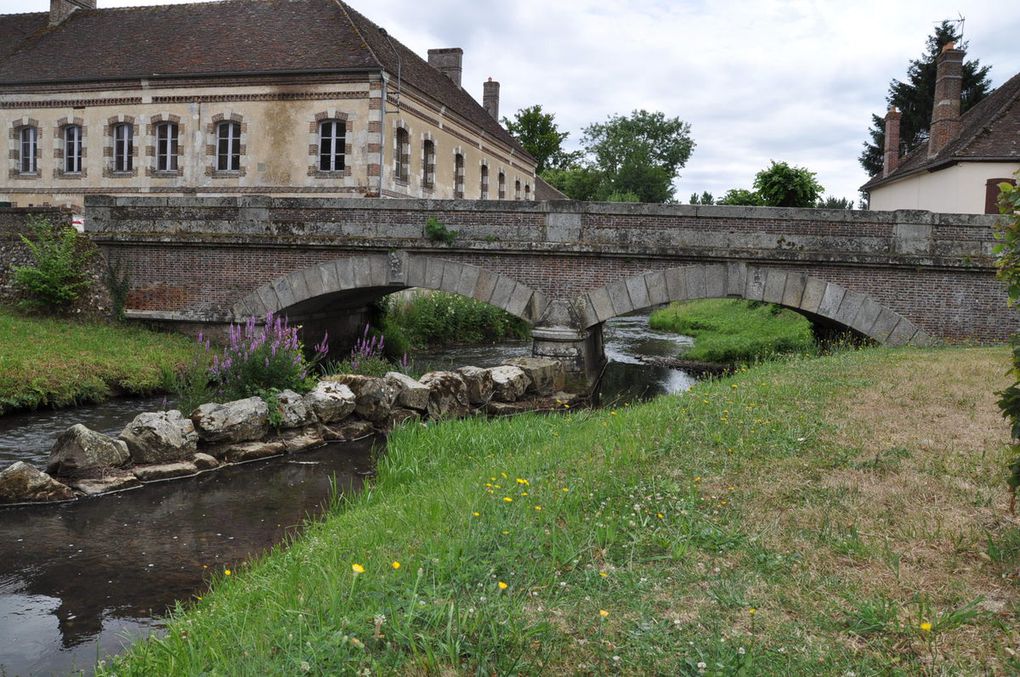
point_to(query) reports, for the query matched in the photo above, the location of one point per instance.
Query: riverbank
(728, 331)
(814, 516)
(51, 362)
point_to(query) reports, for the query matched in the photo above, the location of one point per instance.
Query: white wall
(960, 189)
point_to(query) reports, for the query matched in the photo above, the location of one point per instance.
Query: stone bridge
(896, 277)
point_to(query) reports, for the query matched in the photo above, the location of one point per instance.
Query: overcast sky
(757, 80)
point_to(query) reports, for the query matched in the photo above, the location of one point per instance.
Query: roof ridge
(347, 15)
(995, 114)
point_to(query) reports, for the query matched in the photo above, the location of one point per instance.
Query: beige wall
(959, 189)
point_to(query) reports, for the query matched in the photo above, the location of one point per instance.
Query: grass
(436, 319)
(47, 362)
(813, 516)
(735, 331)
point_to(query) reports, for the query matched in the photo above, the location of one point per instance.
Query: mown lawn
(58, 362)
(733, 331)
(831, 516)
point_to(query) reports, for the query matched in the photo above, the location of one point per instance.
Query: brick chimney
(490, 98)
(61, 9)
(945, 115)
(892, 141)
(447, 61)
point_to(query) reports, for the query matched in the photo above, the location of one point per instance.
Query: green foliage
(730, 331)
(741, 197)
(118, 283)
(538, 133)
(784, 186)
(368, 366)
(59, 274)
(189, 383)
(705, 198)
(916, 97)
(436, 319)
(1007, 251)
(437, 232)
(835, 203)
(577, 183)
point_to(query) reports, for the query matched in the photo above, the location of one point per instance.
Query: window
(458, 176)
(502, 185)
(527, 191)
(403, 155)
(332, 140)
(72, 149)
(29, 150)
(485, 183)
(123, 147)
(228, 147)
(517, 189)
(428, 165)
(167, 140)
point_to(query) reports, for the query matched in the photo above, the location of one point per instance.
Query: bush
(437, 232)
(435, 319)
(59, 274)
(1008, 261)
(367, 358)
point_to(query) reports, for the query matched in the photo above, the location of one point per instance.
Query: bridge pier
(580, 350)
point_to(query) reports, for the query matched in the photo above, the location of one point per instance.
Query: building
(966, 157)
(278, 97)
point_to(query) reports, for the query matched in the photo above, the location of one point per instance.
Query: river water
(81, 580)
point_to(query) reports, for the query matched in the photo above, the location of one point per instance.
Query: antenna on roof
(382, 32)
(960, 21)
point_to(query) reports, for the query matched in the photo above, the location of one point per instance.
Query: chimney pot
(61, 9)
(945, 116)
(448, 61)
(490, 98)
(892, 141)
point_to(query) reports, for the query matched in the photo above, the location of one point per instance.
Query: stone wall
(199, 257)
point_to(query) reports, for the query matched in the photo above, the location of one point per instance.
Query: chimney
(448, 62)
(892, 141)
(490, 98)
(61, 9)
(945, 115)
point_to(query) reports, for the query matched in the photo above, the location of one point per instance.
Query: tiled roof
(217, 38)
(545, 191)
(990, 131)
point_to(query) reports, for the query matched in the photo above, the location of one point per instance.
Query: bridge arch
(817, 299)
(376, 275)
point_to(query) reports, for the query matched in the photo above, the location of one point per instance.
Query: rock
(296, 440)
(448, 397)
(237, 421)
(479, 384)
(494, 408)
(547, 375)
(412, 395)
(165, 471)
(242, 452)
(509, 383)
(21, 483)
(106, 485)
(160, 437)
(79, 450)
(402, 416)
(330, 401)
(563, 400)
(204, 461)
(373, 397)
(294, 410)
(355, 430)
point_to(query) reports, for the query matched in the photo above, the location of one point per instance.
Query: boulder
(294, 410)
(106, 485)
(22, 483)
(564, 400)
(330, 402)
(495, 408)
(402, 416)
(296, 440)
(242, 452)
(79, 450)
(412, 394)
(479, 384)
(509, 383)
(348, 432)
(448, 397)
(373, 397)
(237, 421)
(164, 471)
(160, 437)
(204, 461)
(547, 375)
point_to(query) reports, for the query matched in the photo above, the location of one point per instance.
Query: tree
(577, 183)
(835, 203)
(740, 197)
(705, 198)
(784, 186)
(639, 154)
(538, 133)
(916, 97)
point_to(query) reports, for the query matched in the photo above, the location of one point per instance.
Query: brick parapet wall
(199, 256)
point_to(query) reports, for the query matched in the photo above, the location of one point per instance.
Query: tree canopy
(916, 96)
(780, 185)
(540, 136)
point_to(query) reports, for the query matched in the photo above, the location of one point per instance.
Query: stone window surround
(501, 184)
(402, 162)
(314, 141)
(517, 189)
(212, 140)
(59, 148)
(109, 145)
(15, 149)
(458, 179)
(483, 179)
(428, 170)
(527, 191)
(151, 146)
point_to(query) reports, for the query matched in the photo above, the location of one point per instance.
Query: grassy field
(52, 362)
(728, 330)
(838, 515)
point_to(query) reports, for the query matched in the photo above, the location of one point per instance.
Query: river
(81, 580)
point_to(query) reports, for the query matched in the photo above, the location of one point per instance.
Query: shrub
(437, 232)
(1008, 261)
(367, 358)
(438, 318)
(59, 274)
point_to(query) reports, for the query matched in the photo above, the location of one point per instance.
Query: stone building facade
(309, 99)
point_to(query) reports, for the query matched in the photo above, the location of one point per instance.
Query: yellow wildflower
(476, 514)
(395, 565)
(603, 613)
(538, 507)
(502, 585)
(357, 569)
(603, 574)
(226, 572)
(926, 626)
(507, 499)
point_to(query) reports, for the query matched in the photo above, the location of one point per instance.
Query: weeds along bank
(814, 516)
